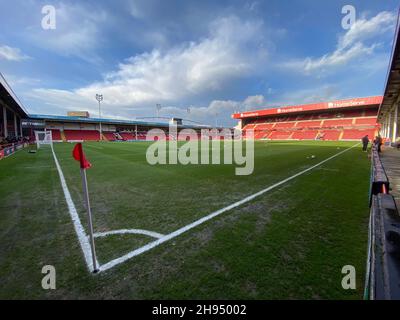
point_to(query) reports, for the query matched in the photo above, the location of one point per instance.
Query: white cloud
(76, 34)
(229, 52)
(12, 54)
(339, 57)
(217, 110)
(351, 46)
(364, 29)
(252, 102)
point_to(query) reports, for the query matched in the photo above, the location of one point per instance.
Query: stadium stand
(338, 120)
(330, 135)
(127, 136)
(110, 136)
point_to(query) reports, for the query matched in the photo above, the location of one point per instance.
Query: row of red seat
(321, 116)
(86, 135)
(56, 134)
(346, 134)
(94, 135)
(330, 123)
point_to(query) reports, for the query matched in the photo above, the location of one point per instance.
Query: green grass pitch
(290, 243)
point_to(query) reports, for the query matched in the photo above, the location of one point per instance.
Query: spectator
(365, 142)
(378, 143)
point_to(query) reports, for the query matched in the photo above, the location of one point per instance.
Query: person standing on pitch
(365, 142)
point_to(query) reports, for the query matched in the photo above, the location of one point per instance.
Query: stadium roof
(107, 121)
(392, 88)
(338, 104)
(10, 98)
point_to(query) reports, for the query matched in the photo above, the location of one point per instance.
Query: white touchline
(194, 224)
(80, 231)
(129, 231)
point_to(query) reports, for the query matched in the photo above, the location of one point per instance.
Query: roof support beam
(5, 121)
(15, 125)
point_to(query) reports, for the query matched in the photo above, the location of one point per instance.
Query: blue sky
(215, 57)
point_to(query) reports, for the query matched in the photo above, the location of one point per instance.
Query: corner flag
(78, 155)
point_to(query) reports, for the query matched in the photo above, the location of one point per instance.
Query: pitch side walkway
(390, 158)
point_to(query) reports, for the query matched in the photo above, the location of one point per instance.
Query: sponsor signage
(82, 114)
(10, 150)
(349, 103)
(29, 123)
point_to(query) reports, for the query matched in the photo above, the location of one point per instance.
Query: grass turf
(290, 243)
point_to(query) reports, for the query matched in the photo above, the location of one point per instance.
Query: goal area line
(84, 239)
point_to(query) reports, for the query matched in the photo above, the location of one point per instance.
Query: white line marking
(129, 231)
(80, 231)
(194, 224)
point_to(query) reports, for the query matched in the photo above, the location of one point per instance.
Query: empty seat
(309, 124)
(85, 135)
(280, 125)
(337, 123)
(56, 135)
(366, 121)
(332, 135)
(110, 136)
(249, 126)
(305, 135)
(264, 126)
(127, 136)
(352, 134)
(280, 135)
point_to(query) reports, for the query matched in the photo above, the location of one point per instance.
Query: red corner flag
(78, 155)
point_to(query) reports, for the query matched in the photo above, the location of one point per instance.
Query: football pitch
(161, 233)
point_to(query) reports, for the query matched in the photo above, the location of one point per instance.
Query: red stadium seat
(109, 136)
(309, 124)
(366, 121)
(249, 126)
(285, 125)
(350, 124)
(305, 135)
(85, 135)
(264, 126)
(56, 135)
(337, 123)
(280, 135)
(127, 136)
(352, 134)
(332, 135)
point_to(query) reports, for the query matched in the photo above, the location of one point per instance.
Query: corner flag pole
(89, 216)
(85, 164)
